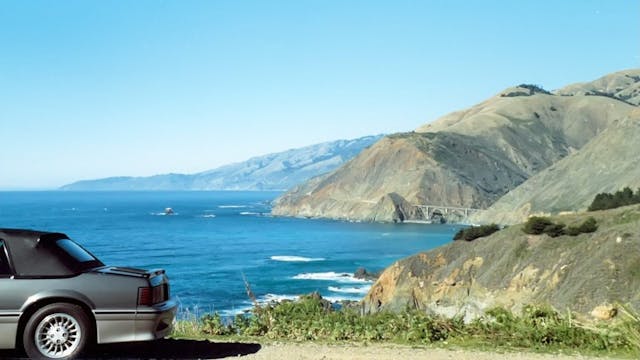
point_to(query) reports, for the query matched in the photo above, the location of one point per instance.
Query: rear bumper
(158, 323)
(148, 323)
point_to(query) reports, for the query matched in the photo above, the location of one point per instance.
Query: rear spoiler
(140, 272)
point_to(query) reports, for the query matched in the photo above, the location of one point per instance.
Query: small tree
(474, 232)
(624, 197)
(536, 225)
(554, 230)
(588, 226)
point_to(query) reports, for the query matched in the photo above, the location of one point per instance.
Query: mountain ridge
(468, 158)
(272, 172)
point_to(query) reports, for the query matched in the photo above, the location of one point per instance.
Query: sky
(92, 89)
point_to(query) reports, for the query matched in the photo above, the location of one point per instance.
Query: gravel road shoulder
(308, 351)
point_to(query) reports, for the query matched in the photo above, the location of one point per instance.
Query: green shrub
(541, 225)
(573, 231)
(474, 232)
(624, 197)
(588, 226)
(535, 225)
(534, 89)
(554, 230)
(214, 325)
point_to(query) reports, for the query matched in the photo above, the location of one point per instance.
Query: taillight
(158, 294)
(150, 296)
(145, 296)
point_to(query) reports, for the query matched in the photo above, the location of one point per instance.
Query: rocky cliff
(586, 274)
(469, 158)
(277, 171)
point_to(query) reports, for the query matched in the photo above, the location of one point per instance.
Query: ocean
(214, 238)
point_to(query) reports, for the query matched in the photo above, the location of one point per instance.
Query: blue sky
(102, 88)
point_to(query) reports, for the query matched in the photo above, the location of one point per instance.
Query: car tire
(56, 331)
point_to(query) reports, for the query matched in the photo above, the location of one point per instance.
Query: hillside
(277, 171)
(606, 164)
(469, 158)
(623, 85)
(510, 269)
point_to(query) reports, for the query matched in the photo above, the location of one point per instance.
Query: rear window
(57, 257)
(5, 269)
(75, 250)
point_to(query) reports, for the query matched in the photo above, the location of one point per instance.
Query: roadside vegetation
(536, 225)
(312, 318)
(475, 232)
(624, 197)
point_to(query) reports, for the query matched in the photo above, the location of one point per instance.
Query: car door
(9, 307)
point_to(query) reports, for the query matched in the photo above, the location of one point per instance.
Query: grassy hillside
(583, 274)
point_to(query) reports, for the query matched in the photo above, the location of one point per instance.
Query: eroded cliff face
(586, 274)
(468, 158)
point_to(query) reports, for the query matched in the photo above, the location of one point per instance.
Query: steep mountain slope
(584, 274)
(468, 158)
(607, 163)
(277, 171)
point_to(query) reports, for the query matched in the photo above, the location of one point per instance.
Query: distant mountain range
(278, 171)
(523, 151)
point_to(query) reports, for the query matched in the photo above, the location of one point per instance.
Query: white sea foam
(268, 298)
(287, 258)
(330, 276)
(208, 215)
(236, 311)
(335, 299)
(232, 206)
(350, 290)
(249, 213)
(163, 214)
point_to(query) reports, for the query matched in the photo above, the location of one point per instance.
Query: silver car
(56, 298)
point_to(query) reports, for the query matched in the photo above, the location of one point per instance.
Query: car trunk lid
(157, 290)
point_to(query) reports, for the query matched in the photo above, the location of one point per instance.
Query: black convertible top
(37, 254)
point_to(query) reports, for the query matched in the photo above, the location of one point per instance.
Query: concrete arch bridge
(442, 213)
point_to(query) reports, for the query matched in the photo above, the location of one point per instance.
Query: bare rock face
(469, 158)
(584, 274)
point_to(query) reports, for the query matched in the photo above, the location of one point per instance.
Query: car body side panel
(8, 329)
(111, 298)
(99, 291)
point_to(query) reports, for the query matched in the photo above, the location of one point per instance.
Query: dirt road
(309, 351)
(202, 349)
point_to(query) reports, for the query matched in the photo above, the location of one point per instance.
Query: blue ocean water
(215, 237)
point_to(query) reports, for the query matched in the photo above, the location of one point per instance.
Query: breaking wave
(287, 258)
(350, 290)
(330, 276)
(250, 213)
